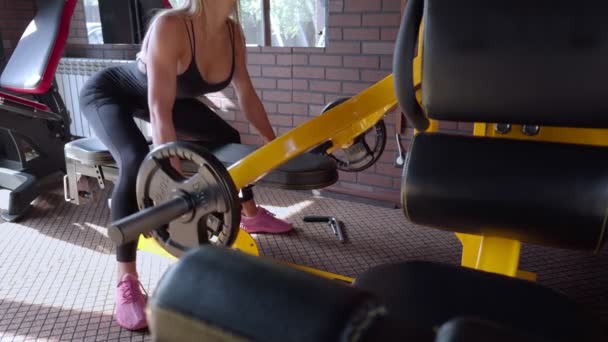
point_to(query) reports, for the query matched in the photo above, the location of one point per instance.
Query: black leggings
(111, 117)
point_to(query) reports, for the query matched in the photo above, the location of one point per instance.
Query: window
(118, 21)
(291, 23)
(93, 22)
(283, 23)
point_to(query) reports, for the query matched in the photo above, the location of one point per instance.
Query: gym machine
(534, 171)
(315, 169)
(88, 159)
(491, 241)
(34, 122)
(212, 214)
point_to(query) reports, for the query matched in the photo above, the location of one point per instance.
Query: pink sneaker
(264, 222)
(131, 303)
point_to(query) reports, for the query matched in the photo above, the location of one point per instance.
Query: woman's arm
(162, 56)
(249, 101)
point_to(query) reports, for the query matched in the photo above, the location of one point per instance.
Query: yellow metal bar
(433, 126)
(491, 254)
(324, 274)
(479, 129)
(499, 255)
(530, 276)
(243, 242)
(584, 136)
(470, 249)
(151, 245)
(340, 125)
(417, 65)
(246, 244)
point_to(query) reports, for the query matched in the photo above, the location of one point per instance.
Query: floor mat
(57, 269)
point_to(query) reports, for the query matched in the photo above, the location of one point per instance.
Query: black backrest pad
(428, 294)
(517, 61)
(262, 301)
(544, 193)
(30, 59)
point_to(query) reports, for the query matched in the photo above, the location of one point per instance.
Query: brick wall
(295, 83)
(14, 18)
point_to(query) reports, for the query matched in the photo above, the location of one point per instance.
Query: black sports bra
(191, 83)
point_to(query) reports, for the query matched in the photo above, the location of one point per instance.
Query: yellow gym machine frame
(354, 117)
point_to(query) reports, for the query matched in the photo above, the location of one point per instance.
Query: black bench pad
(308, 171)
(89, 151)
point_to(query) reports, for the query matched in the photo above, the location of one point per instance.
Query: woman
(187, 52)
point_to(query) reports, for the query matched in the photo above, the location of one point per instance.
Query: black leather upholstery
(545, 193)
(308, 171)
(518, 61)
(30, 60)
(224, 292)
(476, 330)
(89, 151)
(259, 300)
(429, 295)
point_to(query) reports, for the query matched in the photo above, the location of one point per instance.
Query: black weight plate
(217, 217)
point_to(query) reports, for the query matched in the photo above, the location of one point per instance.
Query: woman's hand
(177, 165)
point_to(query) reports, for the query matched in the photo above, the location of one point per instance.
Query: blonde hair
(193, 8)
(189, 9)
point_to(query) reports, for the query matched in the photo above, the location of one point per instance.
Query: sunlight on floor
(285, 212)
(61, 286)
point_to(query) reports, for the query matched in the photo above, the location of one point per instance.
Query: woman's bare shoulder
(171, 22)
(167, 30)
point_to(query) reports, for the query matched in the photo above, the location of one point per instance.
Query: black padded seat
(89, 151)
(308, 171)
(430, 294)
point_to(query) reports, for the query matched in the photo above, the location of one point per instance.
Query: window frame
(266, 21)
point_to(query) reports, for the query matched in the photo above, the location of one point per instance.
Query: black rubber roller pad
(550, 194)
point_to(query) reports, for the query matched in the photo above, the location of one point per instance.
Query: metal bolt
(530, 130)
(502, 128)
